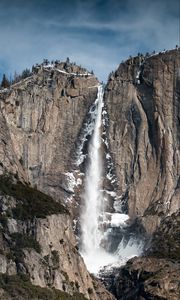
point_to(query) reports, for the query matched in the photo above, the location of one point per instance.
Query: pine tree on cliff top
(5, 82)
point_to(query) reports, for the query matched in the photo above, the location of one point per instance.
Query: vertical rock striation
(143, 103)
(142, 99)
(44, 114)
(41, 119)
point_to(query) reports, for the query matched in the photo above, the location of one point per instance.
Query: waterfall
(96, 223)
(92, 235)
(93, 198)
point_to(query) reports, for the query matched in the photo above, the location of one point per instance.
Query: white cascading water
(93, 215)
(93, 199)
(94, 255)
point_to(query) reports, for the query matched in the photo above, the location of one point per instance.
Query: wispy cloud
(97, 34)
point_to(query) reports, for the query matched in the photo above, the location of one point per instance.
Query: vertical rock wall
(44, 114)
(143, 101)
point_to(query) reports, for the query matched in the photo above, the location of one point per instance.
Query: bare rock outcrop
(37, 240)
(146, 278)
(142, 99)
(44, 114)
(8, 159)
(41, 118)
(143, 103)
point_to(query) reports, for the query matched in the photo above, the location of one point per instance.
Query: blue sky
(96, 34)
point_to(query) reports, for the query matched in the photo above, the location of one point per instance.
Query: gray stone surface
(144, 134)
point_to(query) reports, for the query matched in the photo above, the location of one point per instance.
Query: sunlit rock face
(142, 99)
(112, 159)
(44, 114)
(41, 119)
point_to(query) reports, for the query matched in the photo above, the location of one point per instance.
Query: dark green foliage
(77, 285)
(45, 61)
(166, 240)
(21, 241)
(1, 252)
(19, 287)
(55, 258)
(90, 291)
(3, 220)
(21, 161)
(34, 69)
(18, 77)
(25, 73)
(65, 275)
(166, 246)
(30, 202)
(17, 243)
(5, 82)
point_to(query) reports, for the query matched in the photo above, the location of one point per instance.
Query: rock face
(142, 99)
(8, 159)
(44, 114)
(156, 274)
(143, 103)
(146, 278)
(165, 241)
(37, 240)
(41, 118)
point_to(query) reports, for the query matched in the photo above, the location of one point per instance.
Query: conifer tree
(5, 82)
(25, 73)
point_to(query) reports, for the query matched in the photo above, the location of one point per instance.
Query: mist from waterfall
(94, 217)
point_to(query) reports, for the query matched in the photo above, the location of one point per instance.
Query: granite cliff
(142, 99)
(44, 113)
(41, 118)
(143, 104)
(46, 124)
